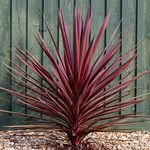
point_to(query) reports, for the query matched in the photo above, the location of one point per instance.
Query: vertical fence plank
(113, 6)
(50, 16)
(34, 23)
(50, 13)
(141, 84)
(4, 52)
(128, 23)
(98, 18)
(83, 6)
(146, 54)
(67, 8)
(18, 34)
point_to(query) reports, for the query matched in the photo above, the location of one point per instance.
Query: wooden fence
(20, 18)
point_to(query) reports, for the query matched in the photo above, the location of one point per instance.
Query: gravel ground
(51, 140)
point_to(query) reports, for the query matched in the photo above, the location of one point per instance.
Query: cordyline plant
(76, 97)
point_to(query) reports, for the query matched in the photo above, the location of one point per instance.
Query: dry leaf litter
(52, 140)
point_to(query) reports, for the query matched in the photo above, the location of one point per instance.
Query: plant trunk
(74, 141)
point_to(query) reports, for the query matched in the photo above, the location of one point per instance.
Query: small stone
(52, 140)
